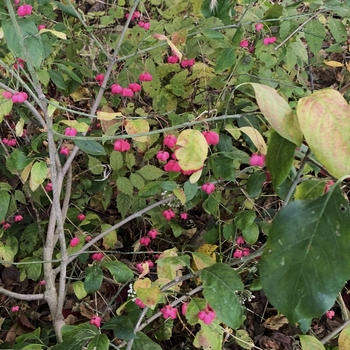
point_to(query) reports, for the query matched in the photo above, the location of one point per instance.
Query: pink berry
(145, 77)
(116, 89)
(48, 187)
(42, 282)
(184, 63)
(24, 10)
(15, 308)
(170, 141)
(88, 238)
(169, 311)
(96, 321)
(41, 26)
(211, 137)
(121, 146)
(163, 156)
(330, 314)
(145, 241)
(240, 240)
(18, 218)
(97, 256)
(328, 185)
(126, 92)
(153, 233)
(136, 14)
(64, 151)
(20, 63)
(207, 315)
(81, 217)
(7, 95)
(147, 26)
(246, 251)
(172, 166)
(141, 24)
(257, 159)
(184, 216)
(71, 132)
(12, 143)
(173, 59)
(74, 241)
(99, 78)
(208, 187)
(134, 87)
(244, 43)
(184, 308)
(168, 214)
(139, 303)
(259, 26)
(6, 225)
(238, 253)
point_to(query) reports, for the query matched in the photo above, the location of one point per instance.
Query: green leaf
(79, 290)
(4, 204)
(338, 30)
(17, 161)
(38, 175)
(151, 172)
(124, 202)
(6, 254)
(251, 233)
(83, 331)
(223, 168)
(57, 79)
(176, 228)
(209, 337)
(310, 189)
(124, 185)
(308, 342)
(142, 342)
(33, 269)
(93, 279)
(5, 107)
(228, 231)
(29, 238)
(278, 113)
(69, 72)
(95, 166)
(190, 190)
(90, 147)
(279, 158)
(116, 160)
(212, 203)
(324, 120)
(212, 34)
(121, 326)
(100, 342)
(243, 339)
(255, 184)
(306, 262)
(150, 189)
(120, 271)
(221, 283)
(244, 219)
(137, 180)
(314, 35)
(192, 151)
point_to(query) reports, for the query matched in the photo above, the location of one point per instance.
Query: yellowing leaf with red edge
(209, 337)
(179, 37)
(324, 118)
(344, 339)
(333, 63)
(137, 126)
(192, 151)
(278, 113)
(180, 195)
(54, 32)
(142, 283)
(169, 271)
(174, 49)
(145, 269)
(107, 115)
(150, 296)
(256, 138)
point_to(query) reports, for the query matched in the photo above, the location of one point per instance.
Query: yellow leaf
(81, 94)
(333, 64)
(108, 116)
(256, 138)
(344, 339)
(347, 66)
(19, 128)
(174, 49)
(192, 151)
(54, 32)
(233, 130)
(137, 126)
(144, 283)
(180, 195)
(195, 176)
(150, 296)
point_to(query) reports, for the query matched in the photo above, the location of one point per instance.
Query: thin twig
(328, 337)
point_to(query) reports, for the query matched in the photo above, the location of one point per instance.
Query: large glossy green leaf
(324, 120)
(93, 279)
(278, 113)
(279, 158)
(90, 147)
(306, 260)
(142, 342)
(100, 342)
(120, 271)
(309, 342)
(221, 283)
(121, 326)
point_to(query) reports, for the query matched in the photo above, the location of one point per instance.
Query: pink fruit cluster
(41, 26)
(211, 137)
(96, 321)
(140, 266)
(18, 218)
(71, 132)
(207, 315)
(74, 242)
(269, 40)
(129, 91)
(187, 63)
(330, 314)
(9, 142)
(169, 311)
(15, 308)
(20, 63)
(81, 217)
(18, 97)
(97, 256)
(173, 59)
(169, 214)
(64, 151)
(259, 26)
(121, 145)
(142, 24)
(99, 78)
(146, 240)
(24, 10)
(257, 159)
(48, 187)
(239, 253)
(208, 188)
(5, 225)
(139, 303)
